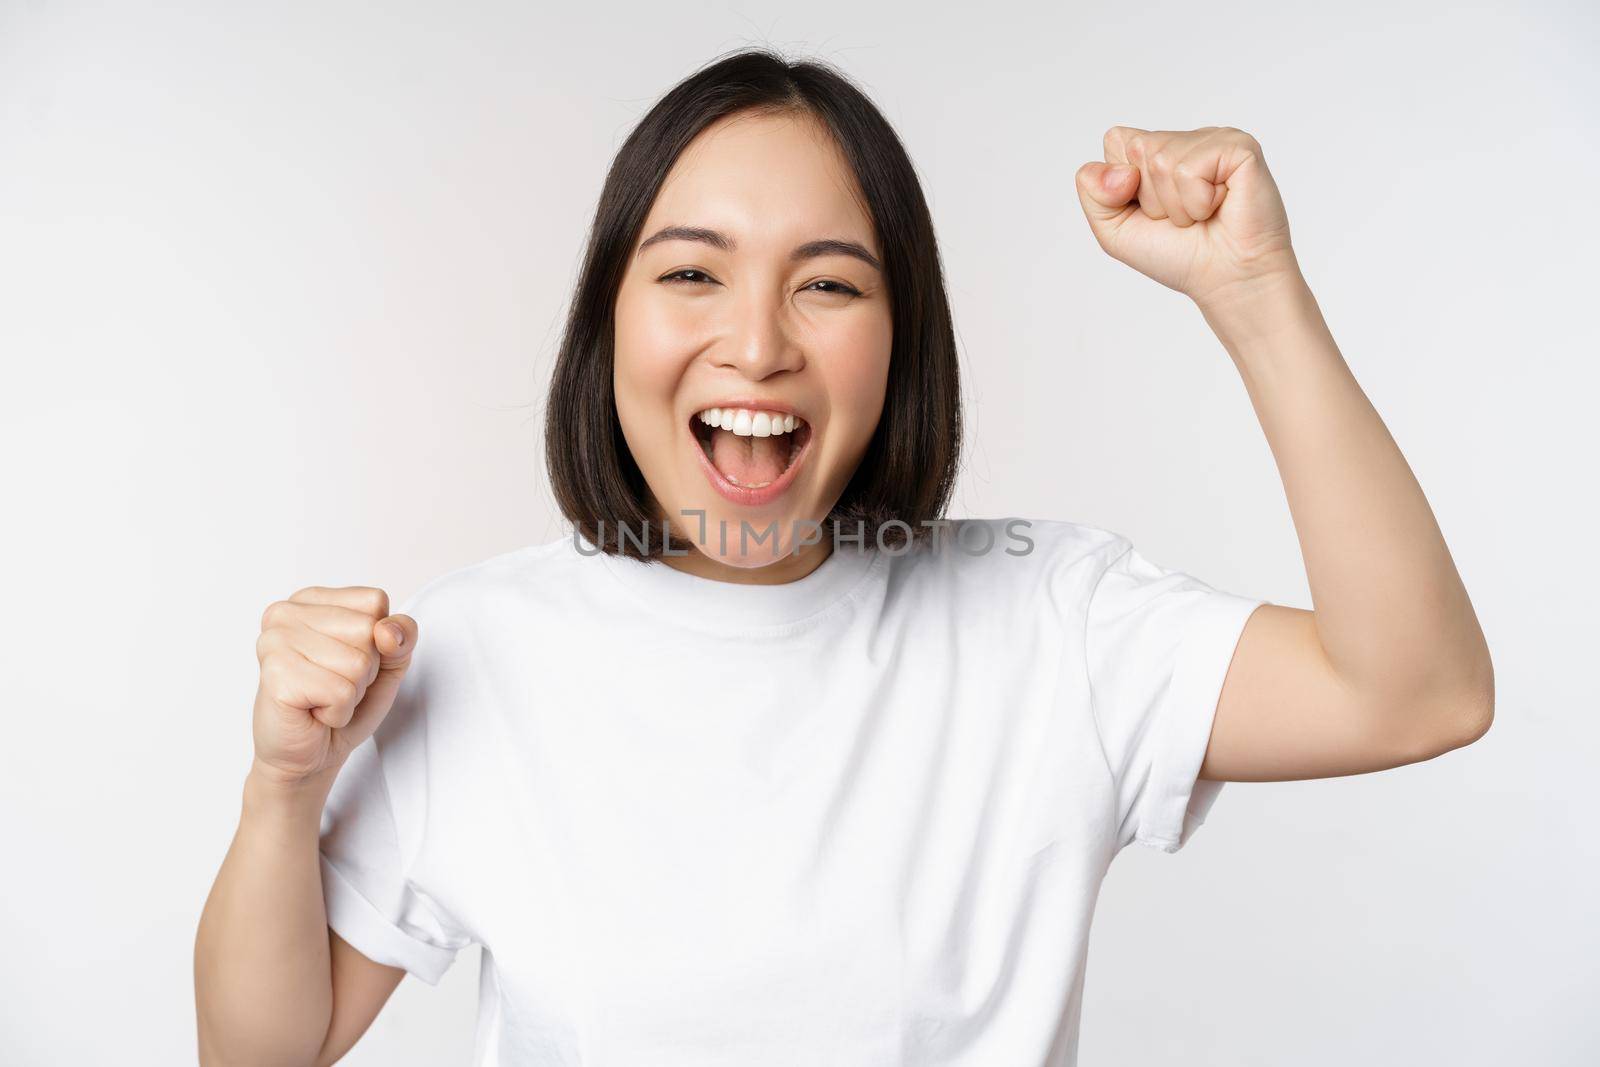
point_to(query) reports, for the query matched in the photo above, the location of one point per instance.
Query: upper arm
(1284, 714)
(360, 990)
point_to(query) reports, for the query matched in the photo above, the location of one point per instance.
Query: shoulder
(505, 593)
(1055, 563)
(478, 627)
(1059, 543)
(1030, 547)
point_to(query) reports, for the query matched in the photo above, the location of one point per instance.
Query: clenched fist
(1197, 210)
(331, 663)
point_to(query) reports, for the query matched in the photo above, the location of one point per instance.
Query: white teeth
(749, 423)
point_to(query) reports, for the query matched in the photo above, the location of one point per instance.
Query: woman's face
(753, 291)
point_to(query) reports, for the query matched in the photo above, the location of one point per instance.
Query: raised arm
(1391, 666)
(273, 984)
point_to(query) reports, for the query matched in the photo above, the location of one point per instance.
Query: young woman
(768, 763)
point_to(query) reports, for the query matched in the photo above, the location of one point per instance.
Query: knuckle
(272, 673)
(344, 691)
(1244, 138)
(275, 614)
(374, 602)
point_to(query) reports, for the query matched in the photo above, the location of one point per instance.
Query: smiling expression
(753, 302)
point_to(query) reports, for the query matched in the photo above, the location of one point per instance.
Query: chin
(749, 562)
(755, 554)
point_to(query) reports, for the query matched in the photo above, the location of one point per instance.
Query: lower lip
(738, 494)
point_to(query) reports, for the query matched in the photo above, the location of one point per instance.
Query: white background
(280, 288)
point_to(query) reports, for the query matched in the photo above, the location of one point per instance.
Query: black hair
(909, 467)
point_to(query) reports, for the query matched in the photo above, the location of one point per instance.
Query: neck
(788, 567)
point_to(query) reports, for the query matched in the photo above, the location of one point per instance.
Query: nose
(760, 342)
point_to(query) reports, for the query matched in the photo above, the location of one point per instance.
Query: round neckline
(714, 606)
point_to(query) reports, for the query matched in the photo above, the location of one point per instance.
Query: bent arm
(1391, 666)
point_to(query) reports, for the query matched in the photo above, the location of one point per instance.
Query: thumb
(1104, 190)
(396, 638)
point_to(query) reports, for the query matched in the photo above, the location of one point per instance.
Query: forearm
(263, 975)
(1391, 611)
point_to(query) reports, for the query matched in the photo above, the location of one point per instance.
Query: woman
(769, 763)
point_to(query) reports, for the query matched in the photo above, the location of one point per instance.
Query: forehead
(765, 177)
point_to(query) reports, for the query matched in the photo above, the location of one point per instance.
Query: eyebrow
(827, 246)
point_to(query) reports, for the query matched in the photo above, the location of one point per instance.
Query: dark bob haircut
(905, 477)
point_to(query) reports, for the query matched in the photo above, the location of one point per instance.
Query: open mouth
(754, 451)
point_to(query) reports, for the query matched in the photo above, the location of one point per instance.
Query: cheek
(649, 357)
(855, 365)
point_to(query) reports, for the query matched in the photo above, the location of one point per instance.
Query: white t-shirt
(858, 819)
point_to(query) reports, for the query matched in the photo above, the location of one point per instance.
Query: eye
(680, 277)
(838, 287)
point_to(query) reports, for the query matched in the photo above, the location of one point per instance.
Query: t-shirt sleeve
(369, 844)
(1158, 645)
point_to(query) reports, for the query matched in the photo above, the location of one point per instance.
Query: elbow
(1472, 723)
(1426, 723)
(1467, 711)
(1479, 717)
(1480, 704)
